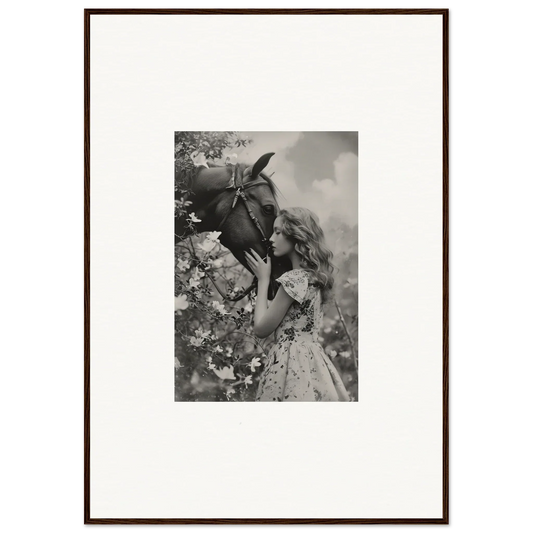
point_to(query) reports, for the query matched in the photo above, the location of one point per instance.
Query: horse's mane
(276, 193)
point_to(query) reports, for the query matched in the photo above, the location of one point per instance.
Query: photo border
(445, 280)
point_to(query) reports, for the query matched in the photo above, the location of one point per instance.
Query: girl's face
(281, 245)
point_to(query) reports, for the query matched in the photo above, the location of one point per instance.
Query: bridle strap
(239, 193)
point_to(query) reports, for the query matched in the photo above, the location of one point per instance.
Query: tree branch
(352, 347)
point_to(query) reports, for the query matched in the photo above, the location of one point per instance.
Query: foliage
(217, 356)
(194, 147)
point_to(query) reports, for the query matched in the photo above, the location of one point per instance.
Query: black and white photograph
(266, 266)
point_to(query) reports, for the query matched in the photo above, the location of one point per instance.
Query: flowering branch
(343, 322)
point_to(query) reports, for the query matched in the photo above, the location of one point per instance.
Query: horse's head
(239, 201)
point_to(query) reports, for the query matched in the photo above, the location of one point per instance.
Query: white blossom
(180, 302)
(183, 265)
(199, 159)
(217, 263)
(193, 283)
(207, 245)
(255, 362)
(197, 274)
(200, 333)
(213, 236)
(195, 341)
(194, 218)
(217, 306)
(225, 373)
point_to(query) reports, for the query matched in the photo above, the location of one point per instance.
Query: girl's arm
(267, 319)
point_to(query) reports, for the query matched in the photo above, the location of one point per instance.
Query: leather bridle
(239, 193)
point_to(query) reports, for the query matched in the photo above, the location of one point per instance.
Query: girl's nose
(271, 238)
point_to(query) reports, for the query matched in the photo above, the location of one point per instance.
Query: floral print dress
(297, 368)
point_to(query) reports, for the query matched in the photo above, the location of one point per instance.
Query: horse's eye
(268, 209)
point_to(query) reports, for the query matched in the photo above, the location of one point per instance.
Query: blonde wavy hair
(301, 226)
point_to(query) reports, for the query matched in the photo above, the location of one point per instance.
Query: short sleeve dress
(297, 369)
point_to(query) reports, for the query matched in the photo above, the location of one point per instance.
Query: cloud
(279, 143)
(339, 196)
(268, 141)
(335, 195)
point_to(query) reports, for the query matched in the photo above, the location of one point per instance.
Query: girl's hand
(260, 269)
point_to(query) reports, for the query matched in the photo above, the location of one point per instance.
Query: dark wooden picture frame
(445, 279)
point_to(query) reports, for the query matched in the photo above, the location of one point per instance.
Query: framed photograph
(300, 158)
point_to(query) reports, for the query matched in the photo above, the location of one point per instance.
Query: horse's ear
(260, 164)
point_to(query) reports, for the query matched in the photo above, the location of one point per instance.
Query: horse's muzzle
(268, 246)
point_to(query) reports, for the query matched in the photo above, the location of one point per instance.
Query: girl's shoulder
(295, 282)
(299, 275)
(295, 274)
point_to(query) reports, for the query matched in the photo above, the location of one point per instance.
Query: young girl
(297, 368)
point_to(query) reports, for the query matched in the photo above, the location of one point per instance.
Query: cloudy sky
(317, 170)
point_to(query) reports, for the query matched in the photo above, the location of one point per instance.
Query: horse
(240, 201)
